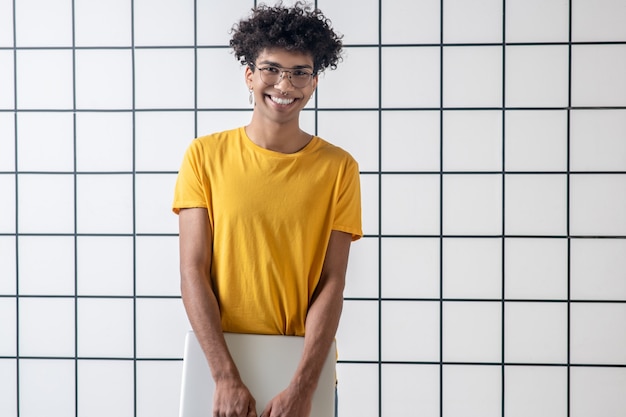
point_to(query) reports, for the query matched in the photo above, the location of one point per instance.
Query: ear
(248, 76)
(315, 80)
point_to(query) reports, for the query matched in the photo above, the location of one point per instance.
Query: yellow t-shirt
(271, 215)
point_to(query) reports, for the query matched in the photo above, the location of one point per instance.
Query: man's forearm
(204, 316)
(321, 327)
(324, 312)
(198, 297)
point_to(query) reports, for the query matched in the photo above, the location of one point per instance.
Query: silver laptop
(266, 364)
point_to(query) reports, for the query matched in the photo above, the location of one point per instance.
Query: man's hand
(233, 399)
(291, 402)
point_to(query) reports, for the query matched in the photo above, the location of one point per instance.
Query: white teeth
(281, 100)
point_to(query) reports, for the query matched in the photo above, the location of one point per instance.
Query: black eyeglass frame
(281, 74)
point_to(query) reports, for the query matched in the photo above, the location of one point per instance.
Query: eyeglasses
(272, 75)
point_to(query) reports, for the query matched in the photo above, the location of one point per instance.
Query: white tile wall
(490, 281)
(471, 390)
(536, 391)
(398, 388)
(534, 76)
(597, 390)
(472, 268)
(537, 21)
(47, 387)
(93, 20)
(6, 75)
(106, 388)
(536, 140)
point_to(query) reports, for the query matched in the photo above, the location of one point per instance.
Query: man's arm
(231, 397)
(321, 326)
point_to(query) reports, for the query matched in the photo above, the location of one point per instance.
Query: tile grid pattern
(504, 300)
(381, 236)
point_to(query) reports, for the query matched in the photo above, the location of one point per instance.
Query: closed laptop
(266, 364)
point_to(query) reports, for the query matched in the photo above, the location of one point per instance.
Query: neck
(278, 137)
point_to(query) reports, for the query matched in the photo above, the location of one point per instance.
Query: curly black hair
(300, 28)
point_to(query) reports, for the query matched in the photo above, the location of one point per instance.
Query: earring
(251, 97)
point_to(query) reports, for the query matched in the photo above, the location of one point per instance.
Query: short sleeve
(348, 207)
(192, 188)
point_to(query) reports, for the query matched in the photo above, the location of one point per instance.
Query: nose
(284, 78)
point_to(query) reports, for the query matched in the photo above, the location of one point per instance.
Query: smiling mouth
(282, 101)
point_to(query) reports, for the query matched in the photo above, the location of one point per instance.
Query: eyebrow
(276, 64)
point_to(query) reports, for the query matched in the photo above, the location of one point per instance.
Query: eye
(301, 74)
(271, 70)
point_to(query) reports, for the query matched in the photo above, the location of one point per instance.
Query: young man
(267, 213)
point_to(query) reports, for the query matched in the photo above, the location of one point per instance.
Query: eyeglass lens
(273, 75)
